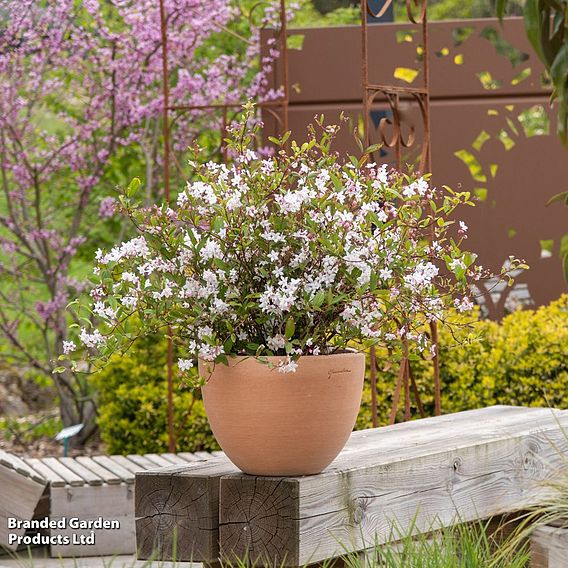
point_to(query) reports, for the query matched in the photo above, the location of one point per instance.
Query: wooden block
(177, 511)
(88, 503)
(549, 547)
(19, 496)
(454, 469)
(115, 467)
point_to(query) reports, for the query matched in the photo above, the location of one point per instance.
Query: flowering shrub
(298, 254)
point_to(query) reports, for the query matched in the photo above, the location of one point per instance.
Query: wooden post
(549, 547)
(177, 511)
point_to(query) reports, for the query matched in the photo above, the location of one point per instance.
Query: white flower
(137, 247)
(205, 331)
(422, 276)
(166, 291)
(211, 249)
(276, 342)
(463, 227)
(463, 305)
(202, 191)
(289, 367)
(234, 202)
(68, 347)
(94, 339)
(456, 263)
(385, 273)
(219, 307)
(210, 352)
(272, 236)
(279, 300)
(185, 364)
(103, 311)
(129, 301)
(130, 277)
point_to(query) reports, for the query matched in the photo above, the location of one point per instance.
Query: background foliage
(133, 405)
(519, 361)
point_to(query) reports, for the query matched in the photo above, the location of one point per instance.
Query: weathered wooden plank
(19, 497)
(126, 463)
(114, 467)
(142, 461)
(90, 477)
(177, 511)
(113, 503)
(48, 474)
(481, 469)
(188, 457)
(217, 453)
(64, 472)
(14, 462)
(173, 459)
(549, 547)
(158, 460)
(108, 476)
(202, 455)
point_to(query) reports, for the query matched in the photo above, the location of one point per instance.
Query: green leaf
(564, 255)
(133, 187)
(318, 299)
(290, 328)
(59, 370)
(559, 75)
(533, 27)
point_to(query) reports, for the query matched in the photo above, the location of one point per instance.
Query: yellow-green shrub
(133, 405)
(523, 360)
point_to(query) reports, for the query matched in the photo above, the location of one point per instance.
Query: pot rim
(235, 359)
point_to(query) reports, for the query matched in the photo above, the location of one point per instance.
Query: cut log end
(259, 520)
(174, 519)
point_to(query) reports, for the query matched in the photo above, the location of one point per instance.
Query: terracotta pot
(272, 423)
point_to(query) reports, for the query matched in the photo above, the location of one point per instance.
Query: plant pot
(273, 423)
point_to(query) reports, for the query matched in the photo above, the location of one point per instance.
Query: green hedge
(133, 405)
(523, 360)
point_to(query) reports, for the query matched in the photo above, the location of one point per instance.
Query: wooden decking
(96, 470)
(84, 487)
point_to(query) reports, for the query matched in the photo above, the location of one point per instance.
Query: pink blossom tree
(80, 108)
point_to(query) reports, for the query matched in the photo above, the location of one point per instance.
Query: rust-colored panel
(469, 58)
